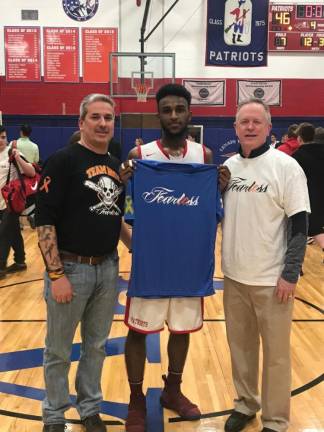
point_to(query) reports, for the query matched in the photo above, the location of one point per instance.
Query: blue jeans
(93, 303)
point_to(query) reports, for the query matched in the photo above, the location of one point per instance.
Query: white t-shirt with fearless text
(262, 194)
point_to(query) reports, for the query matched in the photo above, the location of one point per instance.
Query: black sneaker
(237, 421)
(57, 427)
(16, 267)
(94, 424)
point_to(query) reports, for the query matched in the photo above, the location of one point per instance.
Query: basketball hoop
(141, 83)
(141, 90)
(130, 70)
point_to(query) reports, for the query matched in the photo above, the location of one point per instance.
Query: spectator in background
(139, 142)
(191, 138)
(310, 157)
(273, 140)
(27, 147)
(283, 139)
(291, 144)
(305, 133)
(10, 234)
(319, 135)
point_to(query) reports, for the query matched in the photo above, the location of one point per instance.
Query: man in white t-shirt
(264, 239)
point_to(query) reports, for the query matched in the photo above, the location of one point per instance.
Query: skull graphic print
(107, 193)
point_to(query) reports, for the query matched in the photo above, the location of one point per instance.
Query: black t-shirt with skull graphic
(82, 196)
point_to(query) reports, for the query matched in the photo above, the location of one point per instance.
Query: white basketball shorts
(182, 315)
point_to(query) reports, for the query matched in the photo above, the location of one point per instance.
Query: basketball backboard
(140, 75)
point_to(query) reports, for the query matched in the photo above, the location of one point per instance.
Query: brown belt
(92, 260)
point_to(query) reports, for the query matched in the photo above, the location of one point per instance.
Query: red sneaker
(136, 417)
(176, 401)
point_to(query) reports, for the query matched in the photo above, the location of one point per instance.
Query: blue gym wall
(53, 132)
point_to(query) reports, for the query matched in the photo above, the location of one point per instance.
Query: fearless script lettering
(161, 195)
(239, 184)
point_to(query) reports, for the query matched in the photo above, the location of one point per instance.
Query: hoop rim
(141, 90)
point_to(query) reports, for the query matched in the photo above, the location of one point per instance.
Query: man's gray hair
(256, 101)
(94, 97)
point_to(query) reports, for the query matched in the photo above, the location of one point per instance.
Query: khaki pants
(251, 312)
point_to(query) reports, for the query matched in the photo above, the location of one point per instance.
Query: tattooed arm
(61, 287)
(48, 246)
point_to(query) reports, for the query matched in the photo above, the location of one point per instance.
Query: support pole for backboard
(159, 22)
(142, 40)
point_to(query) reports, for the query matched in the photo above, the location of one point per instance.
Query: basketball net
(141, 92)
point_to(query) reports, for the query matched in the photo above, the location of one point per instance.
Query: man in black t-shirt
(78, 218)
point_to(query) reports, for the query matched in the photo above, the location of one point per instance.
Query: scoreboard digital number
(296, 27)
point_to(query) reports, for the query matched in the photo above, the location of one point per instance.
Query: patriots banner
(211, 92)
(237, 32)
(267, 90)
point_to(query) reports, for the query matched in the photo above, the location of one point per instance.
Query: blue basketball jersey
(177, 208)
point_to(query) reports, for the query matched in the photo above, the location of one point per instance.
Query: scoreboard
(296, 27)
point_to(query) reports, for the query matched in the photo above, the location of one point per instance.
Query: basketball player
(173, 102)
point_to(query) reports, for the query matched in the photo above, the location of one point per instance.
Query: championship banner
(210, 92)
(22, 53)
(268, 91)
(97, 44)
(237, 32)
(61, 54)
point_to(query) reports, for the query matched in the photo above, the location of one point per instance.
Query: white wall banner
(211, 92)
(268, 91)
